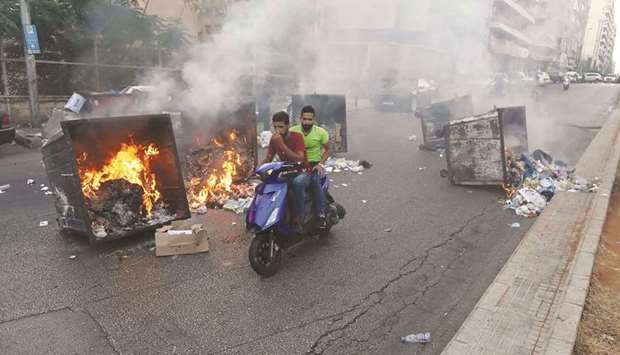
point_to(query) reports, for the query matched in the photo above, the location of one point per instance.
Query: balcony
(506, 30)
(517, 9)
(508, 48)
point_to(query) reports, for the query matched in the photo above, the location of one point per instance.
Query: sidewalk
(534, 304)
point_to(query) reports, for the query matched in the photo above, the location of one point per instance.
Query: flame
(132, 162)
(218, 185)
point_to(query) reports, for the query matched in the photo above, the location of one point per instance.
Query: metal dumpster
(478, 147)
(436, 116)
(331, 114)
(100, 168)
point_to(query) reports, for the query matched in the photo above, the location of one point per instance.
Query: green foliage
(68, 29)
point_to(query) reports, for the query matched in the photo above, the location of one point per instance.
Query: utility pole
(5, 76)
(31, 68)
(97, 75)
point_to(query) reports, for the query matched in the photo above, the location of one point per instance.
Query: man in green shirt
(316, 140)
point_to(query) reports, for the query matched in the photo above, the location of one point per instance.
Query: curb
(535, 302)
(566, 323)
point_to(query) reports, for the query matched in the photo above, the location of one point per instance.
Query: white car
(610, 79)
(543, 78)
(592, 78)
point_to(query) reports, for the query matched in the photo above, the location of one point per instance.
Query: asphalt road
(357, 292)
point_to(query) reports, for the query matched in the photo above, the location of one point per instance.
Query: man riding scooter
(316, 141)
(289, 147)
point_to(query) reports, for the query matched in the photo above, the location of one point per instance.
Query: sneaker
(322, 221)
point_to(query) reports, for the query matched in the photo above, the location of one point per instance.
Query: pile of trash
(238, 206)
(263, 138)
(337, 165)
(534, 179)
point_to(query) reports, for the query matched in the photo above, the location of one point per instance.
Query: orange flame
(218, 185)
(131, 163)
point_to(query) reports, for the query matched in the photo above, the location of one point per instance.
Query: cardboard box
(181, 238)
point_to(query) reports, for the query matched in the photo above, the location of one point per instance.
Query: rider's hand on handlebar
(319, 169)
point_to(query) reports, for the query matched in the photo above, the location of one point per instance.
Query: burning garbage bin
(436, 116)
(331, 114)
(221, 157)
(117, 176)
(478, 147)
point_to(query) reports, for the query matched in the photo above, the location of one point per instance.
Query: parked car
(592, 78)
(394, 95)
(543, 78)
(574, 76)
(556, 77)
(610, 78)
(7, 132)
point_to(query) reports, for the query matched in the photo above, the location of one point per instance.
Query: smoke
(281, 47)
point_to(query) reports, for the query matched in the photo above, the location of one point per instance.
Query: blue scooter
(266, 217)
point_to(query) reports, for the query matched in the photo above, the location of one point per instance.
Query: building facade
(599, 38)
(527, 35)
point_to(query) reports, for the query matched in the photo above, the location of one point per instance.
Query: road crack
(326, 337)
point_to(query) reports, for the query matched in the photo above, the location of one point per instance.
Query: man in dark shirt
(289, 147)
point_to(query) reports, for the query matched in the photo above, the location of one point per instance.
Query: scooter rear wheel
(265, 255)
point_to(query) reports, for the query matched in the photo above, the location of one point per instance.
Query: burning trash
(124, 191)
(534, 180)
(115, 176)
(221, 160)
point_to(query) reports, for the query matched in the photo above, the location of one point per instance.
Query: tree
(68, 29)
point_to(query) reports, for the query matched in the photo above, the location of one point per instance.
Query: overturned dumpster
(478, 147)
(115, 176)
(435, 117)
(331, 114)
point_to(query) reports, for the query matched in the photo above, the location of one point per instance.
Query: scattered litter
(337, 165)
(365, 164)
(416, 338)
(470, 192)
(238, 206)
(364, 201)
(42, 185)
(234, 223)
(43, 223)
(202, 210)
(344, 185)
(48, 193)
(360, 173)
(30, 182)
(413, 137)
(3, 188)
(331, 180)
(534, 179)
(180, 232)
(181, 237)
(263, 138)
(387, 230)
(73, 257)
(422, 168)
(45, 188)
(604, 194)
(515, 225)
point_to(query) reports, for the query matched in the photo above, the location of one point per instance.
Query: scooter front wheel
(265, 255)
